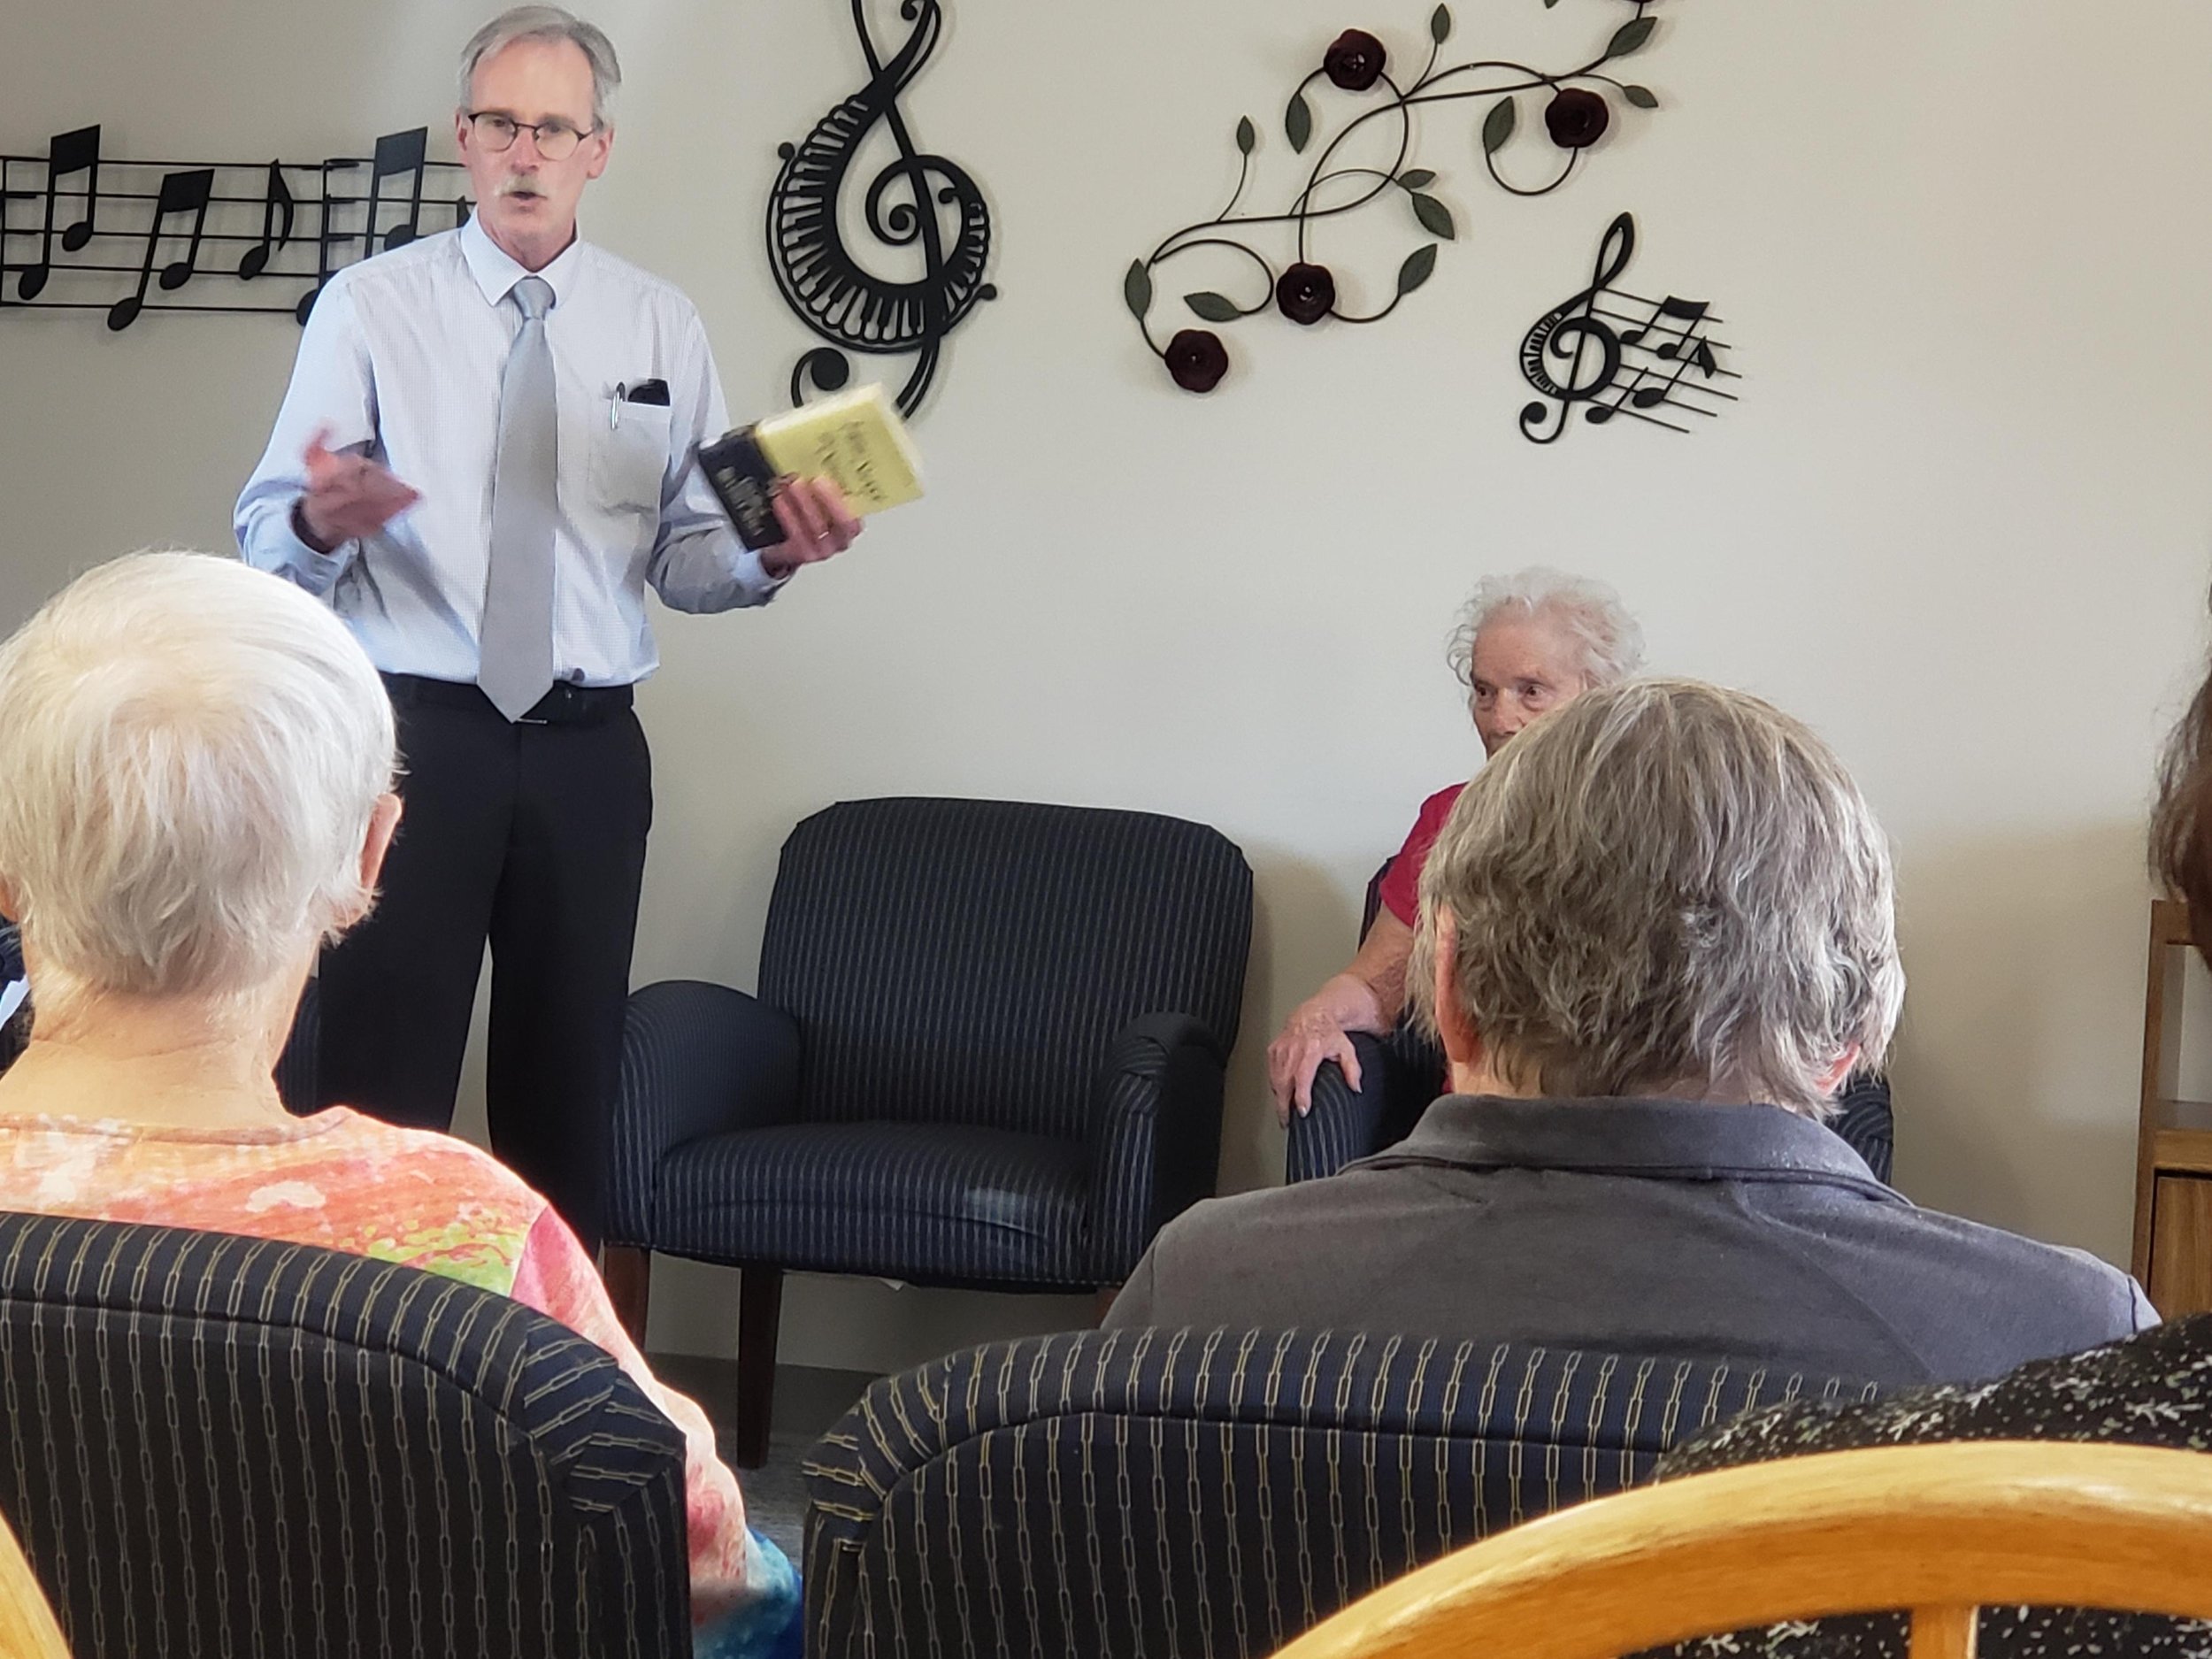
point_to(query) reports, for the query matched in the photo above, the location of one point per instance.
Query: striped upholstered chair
(987, 1051)
(216, 1445)
(1153, 1494)
(1402, 1071)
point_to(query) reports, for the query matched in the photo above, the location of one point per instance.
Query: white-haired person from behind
(1527, 644)
(1656, 933)
(200, 769)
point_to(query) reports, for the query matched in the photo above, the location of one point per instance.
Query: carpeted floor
(809, 1402)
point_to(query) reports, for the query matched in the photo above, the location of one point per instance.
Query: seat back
(1168, 1493)
(1940, 1530)
(220, 1445)
(969, 961)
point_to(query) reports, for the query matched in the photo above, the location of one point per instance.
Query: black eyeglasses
(556, 140)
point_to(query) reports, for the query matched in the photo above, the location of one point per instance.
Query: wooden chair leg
(629, 1275)
(759, 1310)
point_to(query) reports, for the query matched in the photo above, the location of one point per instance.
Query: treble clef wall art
(1618, 355)
(926, 211)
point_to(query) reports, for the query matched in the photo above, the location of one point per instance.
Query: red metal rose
(1577, 119)
(1197, 360)
(1355, 62)
(1306, 294)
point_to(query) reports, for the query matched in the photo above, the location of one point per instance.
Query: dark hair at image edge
(2181, 821)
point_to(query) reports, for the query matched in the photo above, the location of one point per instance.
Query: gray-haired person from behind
(200, 767)
(1653, 936)
(1524, 644)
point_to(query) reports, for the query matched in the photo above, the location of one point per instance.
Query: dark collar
(1655, 1138)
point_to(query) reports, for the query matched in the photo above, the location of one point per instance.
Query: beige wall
(1960, 522)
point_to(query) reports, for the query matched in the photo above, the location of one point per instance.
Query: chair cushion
(938, 1203)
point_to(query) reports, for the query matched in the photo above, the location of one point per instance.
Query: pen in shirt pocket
(652, 392)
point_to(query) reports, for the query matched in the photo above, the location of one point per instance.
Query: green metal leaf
(1497, 127)
(1419, 267)
(1435, 218)
(1440, 23)
(1248, 135)
(1630, 35)
(1416, 179)
(1642, 97)
(1136, 288)
(1548, 4)
(1298, 122)
(1214, 308)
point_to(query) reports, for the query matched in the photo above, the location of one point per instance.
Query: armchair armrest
(698, 1059)
(1346, 1123)
(1156, 1135)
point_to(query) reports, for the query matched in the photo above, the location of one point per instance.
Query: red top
(1400, 888)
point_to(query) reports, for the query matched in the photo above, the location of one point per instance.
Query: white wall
(1959, 522)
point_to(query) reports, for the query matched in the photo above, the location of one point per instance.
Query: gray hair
(547, 23)
(1609, 640)
(192, 752)
(1665, 887)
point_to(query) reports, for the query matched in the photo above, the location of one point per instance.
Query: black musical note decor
(292, 232)
(1618, 355)
(926, 209)
(1578, 109)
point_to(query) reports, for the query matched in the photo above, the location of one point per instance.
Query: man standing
(483, 459)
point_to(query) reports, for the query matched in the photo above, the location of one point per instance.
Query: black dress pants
(531, 835)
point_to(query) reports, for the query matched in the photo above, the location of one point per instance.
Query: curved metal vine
(1577, 114)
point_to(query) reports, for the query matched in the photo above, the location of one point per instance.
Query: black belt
(566, 704)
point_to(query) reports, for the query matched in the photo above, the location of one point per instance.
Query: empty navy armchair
(987, 1050)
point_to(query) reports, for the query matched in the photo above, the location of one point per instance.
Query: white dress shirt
(402, 357)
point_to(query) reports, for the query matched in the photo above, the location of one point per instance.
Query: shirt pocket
(630, 457)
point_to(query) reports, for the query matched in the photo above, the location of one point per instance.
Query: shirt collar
(1655, 1138)
(497, 271)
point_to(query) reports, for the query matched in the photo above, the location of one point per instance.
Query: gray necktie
(515, 664)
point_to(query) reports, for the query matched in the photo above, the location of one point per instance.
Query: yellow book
(853, 439)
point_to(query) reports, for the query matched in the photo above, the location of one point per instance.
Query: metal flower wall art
(1576, 106)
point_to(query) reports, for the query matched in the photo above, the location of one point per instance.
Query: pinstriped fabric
(217, 1446)
(989, 1049)
(1237, 1486)
(698, 1059)
(1401, 1072)
(1864, 1119)
(969, 961)
(934, 1200)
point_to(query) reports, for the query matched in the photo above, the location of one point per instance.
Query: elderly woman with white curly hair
(1655, 935)
(200, 767)
(1526, 644)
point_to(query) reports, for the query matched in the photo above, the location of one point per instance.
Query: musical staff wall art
(1578, 105)
(1618, 355)
(82, 231)
(925, 211)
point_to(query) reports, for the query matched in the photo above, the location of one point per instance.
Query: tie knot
(534, 294)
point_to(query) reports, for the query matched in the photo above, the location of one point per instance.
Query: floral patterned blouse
(347, 1182)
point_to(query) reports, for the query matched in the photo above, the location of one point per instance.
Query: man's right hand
(348, 496)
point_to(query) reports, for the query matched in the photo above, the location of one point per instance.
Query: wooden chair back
(1939, 1530)
(28, 1630)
